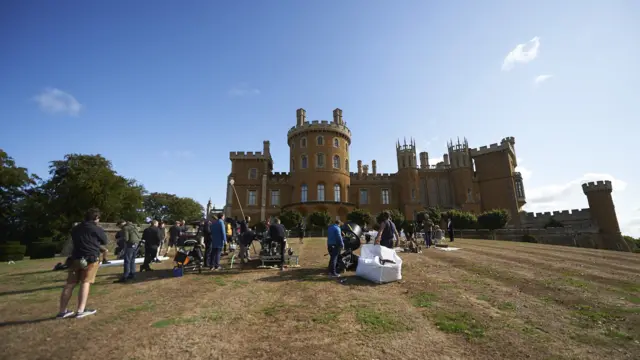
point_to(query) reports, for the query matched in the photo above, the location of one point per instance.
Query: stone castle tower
(462, 174)
(407, 186)
(603, 214)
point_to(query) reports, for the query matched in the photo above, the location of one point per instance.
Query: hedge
(42, 250)
(12, 251)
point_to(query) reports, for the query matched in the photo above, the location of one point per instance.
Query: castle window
(320, 160)
(364, 196)
(252, 197)
(346, 146)
(275, 197)
(336, 192)
(253, 174)
(336, 142)
(413, 194)
(304, 162)
(303, 142)
(320, 192)
(303, 193)
(385, 196)
(320, 140)
(346, 165)
(336, 162)
(403, 163)
(293, 164)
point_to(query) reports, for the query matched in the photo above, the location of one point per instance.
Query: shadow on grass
(33, 273)
(316, 275)
(25, 322)
(29, 291)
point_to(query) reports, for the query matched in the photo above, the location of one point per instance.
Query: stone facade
(319, 177)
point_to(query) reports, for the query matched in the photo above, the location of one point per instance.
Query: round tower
(408, 179)
(603, 211)
(319, 160)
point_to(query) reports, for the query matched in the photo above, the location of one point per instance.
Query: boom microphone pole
(231, 182)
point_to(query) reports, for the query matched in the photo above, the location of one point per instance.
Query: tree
(14, 185)
(319, 219)
(169, 207)
(396, 217)
(494, 219)
(290, 218)
(553, 223)
(462, 219)
(435, 215)
(360, 217)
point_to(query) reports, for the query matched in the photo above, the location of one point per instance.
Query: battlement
(507, 144)
(376, 177)
(279, 177)
(239, 155)
(319, 125)
(602, 185)
(576, 218)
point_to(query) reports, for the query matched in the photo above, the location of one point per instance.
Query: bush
(493, 219)
(462, 219)
(360, 217)
(42, 250)
(319, 220)
(290, 219)
(529, 239)
(435, 215)
(12, 251)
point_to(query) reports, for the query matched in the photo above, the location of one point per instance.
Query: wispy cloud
(243, 89)
(541, 78)
(177, 155)
(524, 171)
(56, 101)
(522, 53)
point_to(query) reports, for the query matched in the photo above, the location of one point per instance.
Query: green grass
(171, 322)
(146, 306)
(459, 323)
(633, 299)
(325, 318)
(379, 322)
(594, 315)
(484, 298)
(506, 306)
(273, 310)
(615, 334)
(423, 300)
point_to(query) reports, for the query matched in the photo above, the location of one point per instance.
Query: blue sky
(165, 89)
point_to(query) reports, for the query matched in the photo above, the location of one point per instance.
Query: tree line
(35, 210)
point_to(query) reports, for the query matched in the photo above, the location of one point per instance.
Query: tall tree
(290, 218)
(361, 217)
(169, 207)
(14, 185)
(319, 219)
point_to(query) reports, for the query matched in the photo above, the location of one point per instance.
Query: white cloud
(522, 53)
(56, 101)
(177, 155)
(566, 196)
(541, 78)
(435, 161)
(243, 89)
(525, 172)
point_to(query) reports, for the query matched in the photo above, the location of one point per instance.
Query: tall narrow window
(336, 192)
(320, 160)
(413, 194)
(385, 196)
(346, 164)
(320, 192)
(303, 142)
(336, 142)
(252, 197)
(304, 162)
(336, 162)
(364, 196)
(253, 174)
(293, 164)
(303, 193)
(320, 140)
(275, 197)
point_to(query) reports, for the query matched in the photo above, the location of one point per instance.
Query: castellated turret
(359, 167)
(301, 117)
(603, 215)
(424, 160)
(374, 167)
(406, 155)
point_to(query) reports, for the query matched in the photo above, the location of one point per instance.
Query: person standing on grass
(131, 239)
(174, 235)
(428, 229)
(151, 237)
(87, 237)
(301, 229)
(450, 229)
(335, 244)
(277, 234)
(162, 235)
(217, 242)
(387, 231)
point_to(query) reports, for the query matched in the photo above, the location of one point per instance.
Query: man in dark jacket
(277, 234)
(151, 237)
(450, 229)
(87, 237)
(174, 235)
(162, 234)
(217, 242)
(335, 244)
(246, 239)
(131, 238)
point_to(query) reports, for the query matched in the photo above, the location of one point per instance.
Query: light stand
(231, 182)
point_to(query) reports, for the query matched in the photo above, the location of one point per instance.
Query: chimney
(424, 160)
(359, 167)
(365, 169)
(301, 117)
(337, 116)
(445, 157)
(374, 168)
(266, 151)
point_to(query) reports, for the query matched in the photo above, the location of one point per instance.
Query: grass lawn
(490, 300)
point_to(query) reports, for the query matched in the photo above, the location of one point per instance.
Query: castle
(319, 179)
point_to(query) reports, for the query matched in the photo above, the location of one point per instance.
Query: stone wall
(552, 236)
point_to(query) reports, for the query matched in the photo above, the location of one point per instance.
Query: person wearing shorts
(87, 238)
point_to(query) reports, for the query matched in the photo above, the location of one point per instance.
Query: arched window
(336, 192)
(303, 193)
(320, 140)
(336, 162)
(346, 164)
(336, 142)
(320, 160)
(320, 192)
(303, 142)
(304, 162)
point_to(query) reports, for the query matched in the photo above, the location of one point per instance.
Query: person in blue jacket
(334, 245)
(218, 238)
